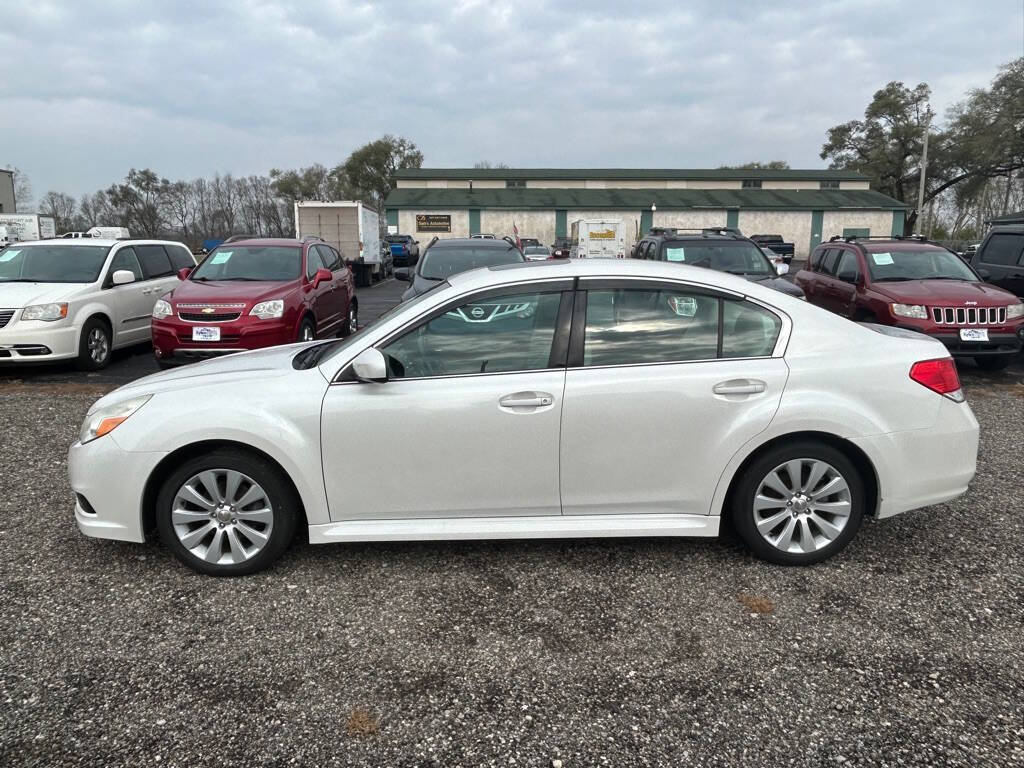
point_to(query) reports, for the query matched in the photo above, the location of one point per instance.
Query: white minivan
(79, 299)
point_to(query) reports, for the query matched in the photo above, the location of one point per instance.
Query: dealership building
(804, 207)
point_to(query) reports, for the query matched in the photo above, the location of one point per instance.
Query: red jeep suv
(255, 293)
(914, 284)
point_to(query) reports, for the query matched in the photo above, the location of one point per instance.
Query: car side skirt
(545, 527)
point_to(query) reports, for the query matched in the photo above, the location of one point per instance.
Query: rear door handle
(526, 400)
(739, 387)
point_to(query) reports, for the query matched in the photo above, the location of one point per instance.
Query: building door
(817, 224)
(856, 232)
(474, 221)
(646, 221)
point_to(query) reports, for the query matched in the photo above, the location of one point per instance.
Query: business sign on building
(433, 222)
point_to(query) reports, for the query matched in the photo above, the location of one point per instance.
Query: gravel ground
(907, 649)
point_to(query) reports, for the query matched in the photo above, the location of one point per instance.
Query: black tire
(993, 362)
(92, 357)
(742, 507)
(307, 330)
(346, 328)
(283, 500)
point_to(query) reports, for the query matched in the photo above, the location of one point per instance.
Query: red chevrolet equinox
(920, 286)
(255, 293)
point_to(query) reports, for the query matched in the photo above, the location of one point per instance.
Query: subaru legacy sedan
(558, 399)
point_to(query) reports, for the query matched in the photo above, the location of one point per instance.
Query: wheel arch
(172, 460)
(852, 452)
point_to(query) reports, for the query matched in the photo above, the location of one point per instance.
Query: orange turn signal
(108, 424)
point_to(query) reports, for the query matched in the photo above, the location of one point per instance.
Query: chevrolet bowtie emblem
(208, 310)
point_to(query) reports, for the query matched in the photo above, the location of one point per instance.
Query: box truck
(350, 226)
(598, 239)
(26, 226)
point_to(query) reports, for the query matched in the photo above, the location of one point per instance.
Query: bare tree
(61, 207)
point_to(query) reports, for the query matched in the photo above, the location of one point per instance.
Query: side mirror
(984, 274)
(404, 274)
(847, 277)
(370, 366)
(322, 276)
(782, 268)
(122, 277)
(184, 272)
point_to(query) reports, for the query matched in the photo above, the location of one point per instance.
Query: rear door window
(1004, 250)
(827, 265)
(155, 262)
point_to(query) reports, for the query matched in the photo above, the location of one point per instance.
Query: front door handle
(739, 387)
(526, 400)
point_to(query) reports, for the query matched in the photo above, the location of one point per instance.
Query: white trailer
(598, 239)
(27, 226)
(351, 227)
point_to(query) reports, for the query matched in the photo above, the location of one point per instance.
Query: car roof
(272, 241)
(473, 242)
(82, 242)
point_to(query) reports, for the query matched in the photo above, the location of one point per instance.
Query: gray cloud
(192, 87)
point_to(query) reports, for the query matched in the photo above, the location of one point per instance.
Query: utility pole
(924, 170)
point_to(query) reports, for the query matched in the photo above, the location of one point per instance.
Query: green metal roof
(642, 199)
(634, 174)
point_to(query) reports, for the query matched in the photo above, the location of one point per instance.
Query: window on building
(828, 184)
(514, 183)
(751, 183)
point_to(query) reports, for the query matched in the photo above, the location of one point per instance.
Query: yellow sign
(605, 234)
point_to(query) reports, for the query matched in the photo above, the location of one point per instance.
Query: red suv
(914, 284)
(255, 293)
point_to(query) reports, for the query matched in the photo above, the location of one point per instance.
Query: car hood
(241, 367)
(779, 284)
(944, 291)
(234, 291)
(16, 295)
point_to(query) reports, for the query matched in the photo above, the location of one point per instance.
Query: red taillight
(938, 375)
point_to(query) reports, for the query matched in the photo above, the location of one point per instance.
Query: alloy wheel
(353, 319)
(222, 516)
(802, 506)
(99, 347)
(307, 332)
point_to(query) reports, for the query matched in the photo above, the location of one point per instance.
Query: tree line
(975, 172)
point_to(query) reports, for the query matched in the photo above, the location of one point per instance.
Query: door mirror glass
(184, 272)
(782, 268)
(403, 274)
(322, 276)
(847, 276)
(122, 277)
(369, 366)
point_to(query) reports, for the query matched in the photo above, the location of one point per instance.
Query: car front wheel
(799, 504)
(94, 346)
(227, 513)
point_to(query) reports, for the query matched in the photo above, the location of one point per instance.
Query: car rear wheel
(993, 362)
(307, 331)
(227, 513)
(352, 323)
(799, 504)
(94, 345)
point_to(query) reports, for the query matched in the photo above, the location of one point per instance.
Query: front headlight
(162, 309)
(917, 311)
(1015, 310)
(268, 310)
(106, 419)
(46, 312)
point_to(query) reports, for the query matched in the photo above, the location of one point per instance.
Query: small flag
(515, 230)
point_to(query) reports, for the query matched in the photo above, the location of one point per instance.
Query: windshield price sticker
(8, 255)
(221, 257)
(675, 254)
(882, 259)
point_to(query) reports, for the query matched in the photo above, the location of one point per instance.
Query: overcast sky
(89, 88)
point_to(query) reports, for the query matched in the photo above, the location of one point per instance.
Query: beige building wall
(410, 184)
(834, 222)
(488, 184)
(460, 224)
(800, 184)
(794, 226)
(554, 184)
(538, 224)
(690, 219)
(854, 185)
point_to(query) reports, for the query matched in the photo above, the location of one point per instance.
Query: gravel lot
(907, 649)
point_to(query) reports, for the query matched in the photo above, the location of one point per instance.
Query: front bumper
(172, 338)
(36, 341)
(109, 483)
(1005, 340)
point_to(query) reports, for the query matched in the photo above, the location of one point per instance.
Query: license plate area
(974, 334)
(202, 333)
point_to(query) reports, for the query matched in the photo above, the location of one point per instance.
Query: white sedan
(560, 399)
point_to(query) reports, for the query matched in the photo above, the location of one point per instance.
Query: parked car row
(81, 298)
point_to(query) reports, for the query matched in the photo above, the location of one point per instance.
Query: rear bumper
(37, 342)
(922, 467)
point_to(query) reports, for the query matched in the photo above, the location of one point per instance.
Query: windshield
(440, 262)
(318, 353)
(52, 263)
(736, 257)
(920, 264)
(251, 262)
